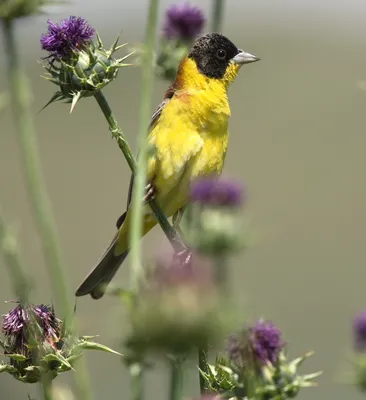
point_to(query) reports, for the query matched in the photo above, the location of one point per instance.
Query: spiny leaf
(17, 357)
(7, 368)
(56, 97)
(113, 48)
(97, 346)
(57, 357)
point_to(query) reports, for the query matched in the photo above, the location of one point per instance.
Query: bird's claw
(150, 192)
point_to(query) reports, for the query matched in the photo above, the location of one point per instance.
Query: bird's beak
(244, 58)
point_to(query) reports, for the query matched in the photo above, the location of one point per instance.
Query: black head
(213, 53)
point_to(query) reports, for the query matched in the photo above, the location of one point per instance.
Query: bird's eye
(221, 54)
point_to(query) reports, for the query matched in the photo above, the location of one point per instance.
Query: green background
(297, 142)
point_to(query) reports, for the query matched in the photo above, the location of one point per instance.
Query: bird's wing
(153, 121)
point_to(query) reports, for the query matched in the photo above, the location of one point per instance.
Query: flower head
(183, 21)
(359, 328)
(214, 192)
(18, 321)
(266, 341)
(261, 343)
(79, 66)
(36, 342)
(71, 34)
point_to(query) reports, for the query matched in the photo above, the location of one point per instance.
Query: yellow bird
(189, 131)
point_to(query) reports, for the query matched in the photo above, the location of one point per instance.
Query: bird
(189, 134)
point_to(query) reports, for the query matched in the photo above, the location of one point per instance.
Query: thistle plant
(76, 64)
(181, 305)
(37, 343)
(255, 366)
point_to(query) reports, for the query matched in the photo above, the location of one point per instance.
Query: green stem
(118, 135)
(47, 388)
(12, 260)
(176, 380)
(217, 15)
(136, 381)
(32, 170)
(202, 364)
(140, 177)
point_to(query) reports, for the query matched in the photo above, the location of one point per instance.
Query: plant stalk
(47, 388)
(117, 133)
(137, 216)
(176, 379)
(40, 202)
(32, 170)
(18, 278)
(137, 381)
(217, 15)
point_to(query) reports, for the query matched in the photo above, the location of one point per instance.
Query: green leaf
(17, 357)
(58, 357)
(97, 346)
(86, 338)
(7, 368)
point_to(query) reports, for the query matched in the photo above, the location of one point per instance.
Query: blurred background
(297, 141)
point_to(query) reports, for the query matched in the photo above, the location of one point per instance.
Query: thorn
(75, 99)
(56, 97)
(99, 41)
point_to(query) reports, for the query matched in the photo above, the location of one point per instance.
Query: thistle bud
(36, 342)
(78, 65)
(177, 308)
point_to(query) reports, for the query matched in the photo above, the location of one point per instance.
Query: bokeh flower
(359, 330)
(183, 21)
(217, 192)
(182, 25)
(177, 308)
(71, 34)
(213, 223)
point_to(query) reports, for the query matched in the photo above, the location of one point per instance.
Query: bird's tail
(98, 279)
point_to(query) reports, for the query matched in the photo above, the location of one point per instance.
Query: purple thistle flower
(214, 192)
(14, 321)
(261, 342)
(71, 34)
(359, 328)
(183, 21)
(266, 341)
(16, 324)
